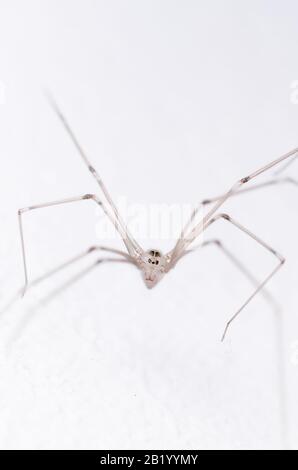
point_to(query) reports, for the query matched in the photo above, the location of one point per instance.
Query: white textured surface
(173, 101)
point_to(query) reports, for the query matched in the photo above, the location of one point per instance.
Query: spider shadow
(33, 310)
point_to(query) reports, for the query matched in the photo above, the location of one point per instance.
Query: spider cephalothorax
(153, 265)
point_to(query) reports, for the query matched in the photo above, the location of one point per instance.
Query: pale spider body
(153, 264)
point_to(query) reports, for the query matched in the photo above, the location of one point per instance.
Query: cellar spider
(153, 264)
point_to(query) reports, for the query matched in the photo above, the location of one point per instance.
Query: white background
(173, 101)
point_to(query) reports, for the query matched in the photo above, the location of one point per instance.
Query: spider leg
(240, 266)
(77, 277)
(20, 293)
(237, 263)
(273, 182)
(278, 327)
(91, 197)
(281, 261)
(84, 254)
(110, 207)
(185, 240)
(205, 202)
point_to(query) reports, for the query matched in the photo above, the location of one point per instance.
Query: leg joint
(21, 211)
(246, 179)
(221, 216)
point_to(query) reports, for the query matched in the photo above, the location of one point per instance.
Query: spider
(153, 264)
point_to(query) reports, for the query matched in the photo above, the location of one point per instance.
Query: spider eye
(157, 262)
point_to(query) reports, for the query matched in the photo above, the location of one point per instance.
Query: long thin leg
(91, 197)
(117, 218)
(58, 290)
(240, 266)
(65, 265)
(79, 257)
(280, 258)
(185, 241)
(285, 166)
(205, 202)
(273, 182)
(281, 385)
(81, 274)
